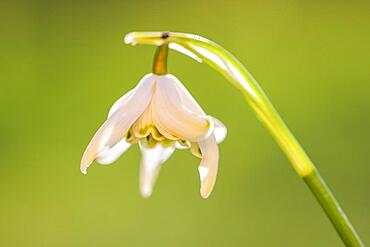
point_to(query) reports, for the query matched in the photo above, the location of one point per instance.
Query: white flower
(160, 115)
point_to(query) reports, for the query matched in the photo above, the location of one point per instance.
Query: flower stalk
(160, 60)
(221, 60)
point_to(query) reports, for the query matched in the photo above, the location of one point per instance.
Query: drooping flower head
(160, 115)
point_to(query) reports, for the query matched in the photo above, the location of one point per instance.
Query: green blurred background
(63, 63)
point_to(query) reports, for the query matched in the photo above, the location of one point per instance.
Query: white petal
(186, 98)
(173, 119)
(151, 161)
(112, 154)
(117, 125)
(219, 131)
(121, 101)
(209, 165)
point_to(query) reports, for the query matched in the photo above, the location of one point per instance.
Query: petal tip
(83, 170)
(205, 194)
(146, 191)
(205, 189)
(84, 166)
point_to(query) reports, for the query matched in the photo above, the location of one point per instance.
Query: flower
(160, 115)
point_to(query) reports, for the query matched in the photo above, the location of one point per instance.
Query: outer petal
(188, 100)
(120, 102)
(110, 155)
(173, 119)
(151, 161)
(209, 165)
(117, 125)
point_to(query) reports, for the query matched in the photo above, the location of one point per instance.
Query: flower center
(145, 131)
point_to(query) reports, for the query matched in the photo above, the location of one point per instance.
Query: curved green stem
(221, 60)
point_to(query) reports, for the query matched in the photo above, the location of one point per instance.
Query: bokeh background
(63, 63)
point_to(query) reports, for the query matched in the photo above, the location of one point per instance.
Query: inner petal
(151, 161)
(144, 126)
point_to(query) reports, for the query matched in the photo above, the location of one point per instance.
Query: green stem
(225, 63)
(160, 60)
(333, 210)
